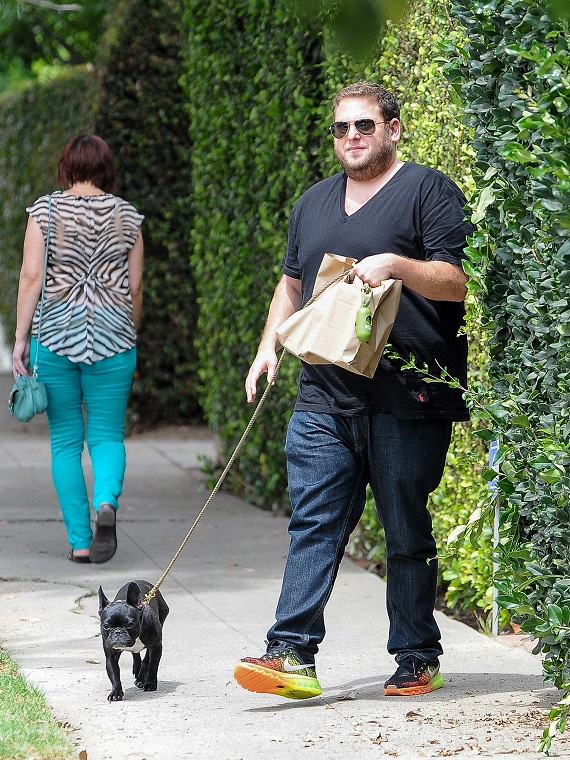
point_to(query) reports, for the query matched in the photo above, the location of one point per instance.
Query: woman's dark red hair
(87, 158)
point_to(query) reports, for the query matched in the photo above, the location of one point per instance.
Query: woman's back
(87, 311)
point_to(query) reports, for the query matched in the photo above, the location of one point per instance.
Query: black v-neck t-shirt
(420, 214)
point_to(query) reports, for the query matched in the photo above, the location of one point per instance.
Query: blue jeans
(330, 461)
(104, 388)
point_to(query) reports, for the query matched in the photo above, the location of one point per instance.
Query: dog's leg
(112, 666)
(141, 677)
(136, 665)
(154, 654)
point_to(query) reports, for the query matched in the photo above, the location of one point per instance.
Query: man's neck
(359, 192)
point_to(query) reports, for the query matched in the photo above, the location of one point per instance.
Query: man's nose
(353, 133)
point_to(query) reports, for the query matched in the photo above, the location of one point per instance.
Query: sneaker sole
(266, 681)
(408, 691)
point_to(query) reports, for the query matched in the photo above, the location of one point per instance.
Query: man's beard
(375, 165)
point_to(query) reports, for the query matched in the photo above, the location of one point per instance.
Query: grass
(28, 730)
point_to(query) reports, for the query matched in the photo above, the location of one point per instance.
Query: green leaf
(456, 533)
(485, 199)
(514, 151)
(485, 434)
(507, 602)
(554, 614)
(551, 475)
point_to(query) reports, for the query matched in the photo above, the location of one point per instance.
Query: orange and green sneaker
(414, 676)
(283, 672)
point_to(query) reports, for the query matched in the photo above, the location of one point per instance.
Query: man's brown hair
(389, 106)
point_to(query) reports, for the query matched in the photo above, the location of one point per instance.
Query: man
(404, 221)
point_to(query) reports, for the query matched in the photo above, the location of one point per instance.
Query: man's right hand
(286, 300)
(264, 362)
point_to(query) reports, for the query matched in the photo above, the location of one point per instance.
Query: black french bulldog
(128, 624)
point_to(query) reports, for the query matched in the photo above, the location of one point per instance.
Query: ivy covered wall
(259, 141)
(514, 74)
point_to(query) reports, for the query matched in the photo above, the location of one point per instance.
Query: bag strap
(35, 366)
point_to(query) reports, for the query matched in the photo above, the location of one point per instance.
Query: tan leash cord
(216, 488)
(152, 593)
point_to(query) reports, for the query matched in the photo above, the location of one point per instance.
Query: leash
(152, 593)
(221, 479)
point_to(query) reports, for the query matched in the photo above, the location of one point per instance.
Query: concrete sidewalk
(222, 593)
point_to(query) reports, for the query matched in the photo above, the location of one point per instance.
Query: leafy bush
(215, 165)
(254, 137)
(140, 111)
(513, 73)
(38, 40)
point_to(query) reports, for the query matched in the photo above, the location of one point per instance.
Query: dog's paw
(146, 685)
(116, 695)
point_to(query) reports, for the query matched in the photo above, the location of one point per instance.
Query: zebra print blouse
(87, 311)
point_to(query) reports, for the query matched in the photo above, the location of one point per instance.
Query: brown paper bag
(324, 331)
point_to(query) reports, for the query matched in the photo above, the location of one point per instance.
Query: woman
(87, 354)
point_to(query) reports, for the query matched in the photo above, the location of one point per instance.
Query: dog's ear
(103, 601)
(134, 594)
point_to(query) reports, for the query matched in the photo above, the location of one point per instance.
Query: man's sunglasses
(339, 129)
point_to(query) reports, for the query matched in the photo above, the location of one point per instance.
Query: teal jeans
(104, 389)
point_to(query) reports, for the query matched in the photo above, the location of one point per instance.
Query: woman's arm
(135, 257)
(29, 289)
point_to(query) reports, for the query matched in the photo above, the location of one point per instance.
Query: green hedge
(514, 74)
(141, 113)
(34, 127)
(253, 83)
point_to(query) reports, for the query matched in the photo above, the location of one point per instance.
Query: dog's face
(121, 621)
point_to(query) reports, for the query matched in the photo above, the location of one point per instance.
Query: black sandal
(104, 544)
(82, 560)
